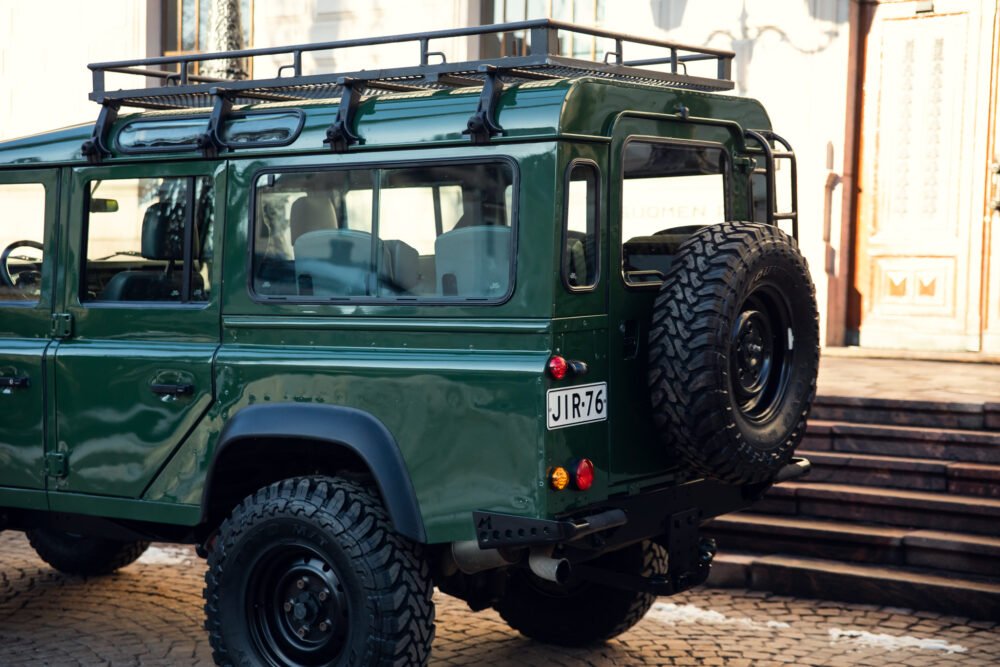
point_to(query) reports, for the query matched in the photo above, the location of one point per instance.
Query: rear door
(141, 326)
(661, 190)
(28, 201)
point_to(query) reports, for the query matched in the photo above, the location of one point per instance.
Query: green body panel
(461, 387)
(24, 340)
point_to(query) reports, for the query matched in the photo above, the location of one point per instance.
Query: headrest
(163, 232)
(311, 213)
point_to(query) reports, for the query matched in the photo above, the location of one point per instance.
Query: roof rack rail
(182, 89)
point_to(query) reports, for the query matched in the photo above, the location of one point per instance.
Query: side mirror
(103, 205)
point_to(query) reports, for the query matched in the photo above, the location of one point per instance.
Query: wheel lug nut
(301, 632)
(324, 626)
(301, 583)
(287, 606)
(323, 595)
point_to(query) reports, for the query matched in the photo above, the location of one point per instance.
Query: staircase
(902, 508)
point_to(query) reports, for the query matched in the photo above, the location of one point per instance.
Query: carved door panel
(920, 256)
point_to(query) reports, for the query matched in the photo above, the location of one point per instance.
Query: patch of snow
(166, 556)
(674, 614)
(893, 642)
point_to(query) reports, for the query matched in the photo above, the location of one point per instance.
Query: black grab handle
(172, 389)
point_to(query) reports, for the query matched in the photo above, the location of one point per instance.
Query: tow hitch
(689, 561)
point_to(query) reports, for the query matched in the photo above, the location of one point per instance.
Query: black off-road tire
(81, 554)
(581, 613)
(324, 547)
(734, 351)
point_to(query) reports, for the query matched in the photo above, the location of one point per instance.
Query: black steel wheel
(309, 572)
(83, 555)
(734, 351)
(581, 613)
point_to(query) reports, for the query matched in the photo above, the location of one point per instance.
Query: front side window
(669, 191)
(21, 232)
(441, 232)
(149, 239)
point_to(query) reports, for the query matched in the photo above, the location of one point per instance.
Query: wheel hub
(300, 610)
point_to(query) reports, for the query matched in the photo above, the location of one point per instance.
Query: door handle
(172, 389)
(15, 383)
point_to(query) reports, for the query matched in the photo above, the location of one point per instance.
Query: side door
(661, 191)
(28, 240)
(140, 329)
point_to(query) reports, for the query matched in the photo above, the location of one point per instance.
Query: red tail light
(558, 367)
(583, 475)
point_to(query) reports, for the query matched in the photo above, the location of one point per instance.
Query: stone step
(915, 474)
(934, 414)
(943, 444)
(977, 555)
(852, 582)
(890, 507)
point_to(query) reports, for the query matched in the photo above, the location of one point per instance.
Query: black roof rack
(183, 89)
(538, 58)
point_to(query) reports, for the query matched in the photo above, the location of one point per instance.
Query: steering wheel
(5, 275)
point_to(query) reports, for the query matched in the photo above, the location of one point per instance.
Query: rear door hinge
(62, 325)
(56, 464)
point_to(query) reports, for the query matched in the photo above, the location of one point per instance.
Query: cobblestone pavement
(909, 379)
(150, 614)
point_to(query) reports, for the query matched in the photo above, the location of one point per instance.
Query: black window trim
(564, 234)
(376, 166)
(727, 180)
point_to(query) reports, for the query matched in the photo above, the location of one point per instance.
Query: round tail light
(583, 475)
(558, 367)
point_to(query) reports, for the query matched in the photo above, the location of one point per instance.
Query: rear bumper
(627, 519)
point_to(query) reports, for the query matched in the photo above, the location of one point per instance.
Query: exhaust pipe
(471, 559)
(546, 567)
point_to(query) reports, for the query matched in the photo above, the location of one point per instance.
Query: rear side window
(22, 230)
(148, 239)
(580, 232)
(396, 234)
(669, 191)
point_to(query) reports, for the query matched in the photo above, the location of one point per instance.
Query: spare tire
(734, 351)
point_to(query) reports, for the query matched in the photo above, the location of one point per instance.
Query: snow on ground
(156, 555)
(673, 614)
(893, 642)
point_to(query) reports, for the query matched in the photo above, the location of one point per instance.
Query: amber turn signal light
(559, 478)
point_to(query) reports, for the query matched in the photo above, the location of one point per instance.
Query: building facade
(891, 107)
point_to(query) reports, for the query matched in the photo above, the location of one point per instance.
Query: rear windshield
(442, 232)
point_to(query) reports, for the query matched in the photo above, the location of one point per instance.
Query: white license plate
(577, 405)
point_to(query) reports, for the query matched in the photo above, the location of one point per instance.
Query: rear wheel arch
(262, 444)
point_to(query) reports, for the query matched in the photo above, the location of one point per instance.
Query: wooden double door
(927, 267)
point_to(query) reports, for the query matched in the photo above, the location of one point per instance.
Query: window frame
(176, 48)
(564, 236)
(432, 300)
(727, 192)
(189, 220)
(195, 147)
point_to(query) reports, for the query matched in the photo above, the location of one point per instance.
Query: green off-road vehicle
(512, 328)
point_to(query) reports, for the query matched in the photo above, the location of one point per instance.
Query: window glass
(669, 191)
(579, 264)
(137, 233)
(22, 230)
(433, 232)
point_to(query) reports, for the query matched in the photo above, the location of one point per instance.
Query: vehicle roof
(577, 108)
